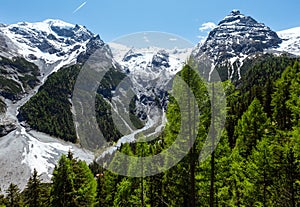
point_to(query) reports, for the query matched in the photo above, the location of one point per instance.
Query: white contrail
(78, 8)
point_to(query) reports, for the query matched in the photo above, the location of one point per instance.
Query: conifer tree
(3, 200)
(13, 196)
(262, 170)
(62, 192)
(222, 181)
(73, 183)
(180, 188)
(252, 126)
(293, 104)
(85, 186)
(241, 186)
(124, 193)
(33, 191)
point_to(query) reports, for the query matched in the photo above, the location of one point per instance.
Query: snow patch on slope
(37, 154)
(291, 40)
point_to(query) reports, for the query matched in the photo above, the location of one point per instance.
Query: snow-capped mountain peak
(236, 37)
(50, 42)
(58, 23)
(238, 34)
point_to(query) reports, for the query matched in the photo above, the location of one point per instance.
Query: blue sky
(114, 18)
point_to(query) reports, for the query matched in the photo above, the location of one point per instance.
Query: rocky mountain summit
(235, 38)
(238, 35)
(50, 44)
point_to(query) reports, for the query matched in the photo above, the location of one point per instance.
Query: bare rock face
(6, 128)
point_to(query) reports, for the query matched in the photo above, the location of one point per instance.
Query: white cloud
(173, 39)
(208, 26)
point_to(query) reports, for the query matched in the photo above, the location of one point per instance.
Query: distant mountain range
(32, 53)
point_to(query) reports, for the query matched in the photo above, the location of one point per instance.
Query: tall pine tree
(73, 183)
(33, 191)
(13, 196)
(252, 126)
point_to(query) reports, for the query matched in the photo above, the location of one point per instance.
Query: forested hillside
(49, 111)
(256, 162)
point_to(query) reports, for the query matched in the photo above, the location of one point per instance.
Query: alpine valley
(39, 64)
